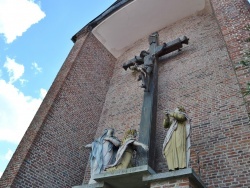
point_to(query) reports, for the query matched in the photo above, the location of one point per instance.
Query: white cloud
(14, 69)
(1, 173)
(43, 92)
(23, 81)
(16, 112)
(16, 16)
(8, 155)
(36, 67)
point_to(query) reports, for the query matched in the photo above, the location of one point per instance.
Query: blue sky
(34, 42)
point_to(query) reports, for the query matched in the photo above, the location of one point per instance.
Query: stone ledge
(125, 178)
(95, 185)
(188, 172)
(131, 177)
(145, 170)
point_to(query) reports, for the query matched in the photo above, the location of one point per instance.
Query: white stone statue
(103, 152)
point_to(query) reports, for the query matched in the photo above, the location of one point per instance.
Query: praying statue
(176, 146)
(103, 152)
(125, 151)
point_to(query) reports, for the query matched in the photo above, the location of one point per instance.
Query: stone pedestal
(126, 178)
(184, 178)
(145, 177)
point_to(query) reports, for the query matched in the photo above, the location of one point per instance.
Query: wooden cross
(147, 65)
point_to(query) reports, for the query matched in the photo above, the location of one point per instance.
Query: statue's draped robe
(102, 155)
(176, 147)
(123, 156)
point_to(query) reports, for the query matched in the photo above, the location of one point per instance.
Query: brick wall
(232, 17)
(202, 79)
(50, 157)
(180, 183)
(122, 108)
(26, 142)
(93, 92)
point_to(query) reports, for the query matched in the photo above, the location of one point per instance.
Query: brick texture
(93, 92)
(49, 155)
(233, 17)
(202, 79)
(180, 183)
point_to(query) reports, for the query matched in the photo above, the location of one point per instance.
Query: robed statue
(125, 152)
(103, 152)
(176, 146)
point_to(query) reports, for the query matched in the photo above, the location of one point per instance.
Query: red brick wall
(93, 92)
(22, 149)
(122, 108)
(180, 183)
(202, 79)
(49, 154)
(232, 17)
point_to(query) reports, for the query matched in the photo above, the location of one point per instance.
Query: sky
(35, 39)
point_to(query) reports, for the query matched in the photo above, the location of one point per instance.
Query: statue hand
(87, 146)
(145, 147)
(166, 112)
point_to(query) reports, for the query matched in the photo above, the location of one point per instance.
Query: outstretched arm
(145, 147)
(87, 146)
(132, 62)
(114, 141)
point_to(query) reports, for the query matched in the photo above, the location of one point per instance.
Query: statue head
(131, 133)
(110, 132)
(181, 109)
(107, 132)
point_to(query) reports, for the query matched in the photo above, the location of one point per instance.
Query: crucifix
(147, 64)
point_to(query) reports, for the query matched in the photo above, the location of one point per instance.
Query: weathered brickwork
(122, 108)
(21, 152)
(93, 92)
(233, 17)
(180, 183)
(202, 79)
(53, 157)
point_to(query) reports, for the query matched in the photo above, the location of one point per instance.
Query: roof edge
(109, 11)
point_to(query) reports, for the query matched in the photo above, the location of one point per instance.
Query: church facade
(93, 92)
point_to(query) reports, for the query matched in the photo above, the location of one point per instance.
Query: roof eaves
(109, 11)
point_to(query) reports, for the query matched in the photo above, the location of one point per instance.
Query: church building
(130, 68)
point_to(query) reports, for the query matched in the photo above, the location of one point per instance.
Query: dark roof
(113, 8)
